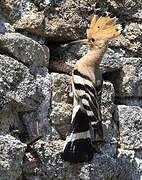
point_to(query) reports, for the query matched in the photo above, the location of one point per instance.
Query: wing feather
(88, 94)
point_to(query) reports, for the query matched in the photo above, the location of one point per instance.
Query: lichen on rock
(35, 84)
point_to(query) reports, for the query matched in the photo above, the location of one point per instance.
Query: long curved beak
(82, 41)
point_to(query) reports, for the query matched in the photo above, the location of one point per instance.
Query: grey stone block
(24, 49)
(11, 157)
(128, 81)
(130, 125)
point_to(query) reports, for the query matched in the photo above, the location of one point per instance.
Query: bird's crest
(103, 27)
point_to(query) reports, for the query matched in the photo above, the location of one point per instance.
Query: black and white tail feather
(87, 88)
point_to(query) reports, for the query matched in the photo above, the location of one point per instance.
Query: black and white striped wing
(86, 113)
(88, 94)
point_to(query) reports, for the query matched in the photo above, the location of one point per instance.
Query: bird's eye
(92, 40)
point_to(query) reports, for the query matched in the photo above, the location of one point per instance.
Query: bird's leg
(37, 137)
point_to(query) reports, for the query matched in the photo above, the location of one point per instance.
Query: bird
(87, 86)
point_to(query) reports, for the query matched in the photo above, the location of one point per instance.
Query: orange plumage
(103, 29)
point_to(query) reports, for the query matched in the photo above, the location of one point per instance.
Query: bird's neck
(94, 56)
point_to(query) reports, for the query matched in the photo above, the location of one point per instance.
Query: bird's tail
(78, 146)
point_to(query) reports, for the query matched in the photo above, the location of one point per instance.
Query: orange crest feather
(103, 28)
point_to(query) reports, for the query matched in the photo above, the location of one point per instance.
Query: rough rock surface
(133, 161)
(61, 20)
(129, 13)
(24, 49)
(9, 120)
(30, 92)
(102, 166)
(52, 167)
(128, 81)
(17, 84)
(41, 112)
(107, 110)
(130, 125)
(5, 26)
(25, 95)
(138, 164)
(61, 102)
(11, 157)
(129, 101)
(131, 39)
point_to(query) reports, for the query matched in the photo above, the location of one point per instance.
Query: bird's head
(102, 29)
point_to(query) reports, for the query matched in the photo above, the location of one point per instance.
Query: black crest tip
(104, 14)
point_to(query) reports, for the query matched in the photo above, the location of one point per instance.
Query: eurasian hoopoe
(87, 88)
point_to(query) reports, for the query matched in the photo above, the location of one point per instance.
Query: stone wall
(35, 84)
